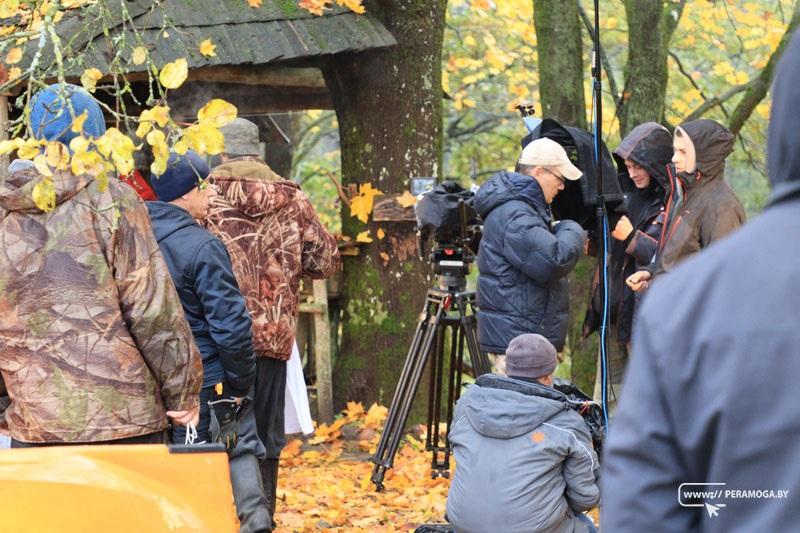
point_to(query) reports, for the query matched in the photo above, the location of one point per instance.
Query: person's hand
(239, 399)
(185, 417)
(638, 281)
(623, 229)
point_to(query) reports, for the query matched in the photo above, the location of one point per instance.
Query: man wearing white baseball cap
(524, 256)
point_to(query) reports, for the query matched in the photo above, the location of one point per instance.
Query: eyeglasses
(562, 179)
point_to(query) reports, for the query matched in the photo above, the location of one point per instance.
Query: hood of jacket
(167, 218)
(16, 191)
(649, 145)
(712, 144)
(251, 187)
(506, 186)
(504, 408)
(783, 141)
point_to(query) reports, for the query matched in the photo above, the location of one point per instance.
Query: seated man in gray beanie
(524, 459)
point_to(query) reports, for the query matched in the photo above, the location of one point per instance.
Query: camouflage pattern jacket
(274, 238)
(94, 345)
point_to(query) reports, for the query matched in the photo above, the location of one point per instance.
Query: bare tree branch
(758, 91)
(710, 103)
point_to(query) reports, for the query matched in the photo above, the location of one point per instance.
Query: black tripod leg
(406, 389)
(435, 389)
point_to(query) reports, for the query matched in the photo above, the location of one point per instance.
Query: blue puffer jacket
(214, 307)
(523, 263)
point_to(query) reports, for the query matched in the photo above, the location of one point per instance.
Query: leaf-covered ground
(324, 482)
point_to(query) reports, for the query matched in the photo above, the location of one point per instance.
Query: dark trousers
(160, 437)
(243, 459)
(269, 402)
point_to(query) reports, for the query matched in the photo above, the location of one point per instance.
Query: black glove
(224, 414)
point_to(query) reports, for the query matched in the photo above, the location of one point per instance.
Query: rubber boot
(248, 493)
(269, 475)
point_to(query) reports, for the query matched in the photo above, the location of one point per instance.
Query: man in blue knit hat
(214, 306)
(94, 347)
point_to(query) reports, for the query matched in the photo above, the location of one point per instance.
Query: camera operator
(525, 256)
(524, 460)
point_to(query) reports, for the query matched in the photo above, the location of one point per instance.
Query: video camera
(445, 213)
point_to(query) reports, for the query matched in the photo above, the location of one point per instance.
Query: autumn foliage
(325, 482)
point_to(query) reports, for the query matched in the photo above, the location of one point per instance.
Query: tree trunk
(389, 106)
(560, 50)
(651, 24)
(561, 87)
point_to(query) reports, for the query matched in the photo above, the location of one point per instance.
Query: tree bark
(560, 50)
(389, 106)
(651, 24)
(561, 87)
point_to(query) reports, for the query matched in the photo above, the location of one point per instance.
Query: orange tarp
(116, 488)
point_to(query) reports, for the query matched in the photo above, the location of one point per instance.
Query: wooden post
(322, 350)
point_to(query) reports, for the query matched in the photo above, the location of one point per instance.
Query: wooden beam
(249, 99)
(249, 75)
(322, 353)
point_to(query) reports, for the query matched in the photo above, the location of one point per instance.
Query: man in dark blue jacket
(215, 309)
(525, 256)
(711, 392)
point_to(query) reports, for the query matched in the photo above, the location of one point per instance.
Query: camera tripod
(447, 308)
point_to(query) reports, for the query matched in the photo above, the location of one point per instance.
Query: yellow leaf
(40, 163)
(353, 5)
(354, 410)
(44, 195)
(14, 55)
(9, 145)
(158, 114)
(208, 49)
(315, 7)
(119, 147)
(217, 113)
(57, 155)
(203, 138)
(376, 415)
(407, 200)
(174, 74)
(139, 55)
(89, 79)
(364, 237)
(8, 8)
(86, 162)
(361, 205)
(158, 141)
(29, 149)
(385, 257)
(381, 233)
(77, 124)
(254, 3)
(14, 73)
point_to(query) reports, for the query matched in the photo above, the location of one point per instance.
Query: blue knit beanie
(184, 173)
(51, 118)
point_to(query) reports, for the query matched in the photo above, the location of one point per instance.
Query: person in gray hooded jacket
(711, 392)
(524, 459)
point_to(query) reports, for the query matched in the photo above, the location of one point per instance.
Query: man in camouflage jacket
(94, 346)
(274, 238)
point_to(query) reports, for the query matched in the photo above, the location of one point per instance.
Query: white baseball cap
(546, 152)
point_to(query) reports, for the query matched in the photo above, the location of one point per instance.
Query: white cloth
(297, 415)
